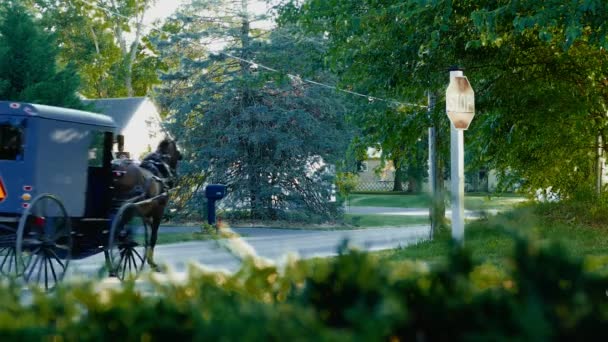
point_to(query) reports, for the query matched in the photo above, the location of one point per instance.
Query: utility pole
(433, 184)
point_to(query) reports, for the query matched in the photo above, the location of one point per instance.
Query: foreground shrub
(543, 295)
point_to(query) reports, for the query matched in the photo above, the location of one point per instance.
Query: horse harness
(161, 173)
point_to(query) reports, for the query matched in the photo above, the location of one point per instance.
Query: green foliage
(346, 182)
(544, 295)
(552, 20)
(538, 69)
(108, 62)
(541, 142)
(272, 139)
(28, 62)
(413, 165)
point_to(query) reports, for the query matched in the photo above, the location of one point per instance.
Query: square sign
(460, 102)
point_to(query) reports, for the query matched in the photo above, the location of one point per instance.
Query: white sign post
(460, 108)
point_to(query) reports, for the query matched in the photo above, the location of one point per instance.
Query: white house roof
(121, 110)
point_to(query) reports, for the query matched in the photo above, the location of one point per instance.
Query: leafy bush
(544, 295)
(586, 207)
(346, 182)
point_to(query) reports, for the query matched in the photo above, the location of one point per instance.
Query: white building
(137, 119)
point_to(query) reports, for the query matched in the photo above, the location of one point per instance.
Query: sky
(164, 8)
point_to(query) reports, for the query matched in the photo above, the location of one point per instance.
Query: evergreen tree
(28, 62)
(271, 138)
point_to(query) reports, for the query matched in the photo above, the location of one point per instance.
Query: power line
(258, 65)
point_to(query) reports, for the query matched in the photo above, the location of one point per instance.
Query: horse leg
(153, 237)
(109, 264)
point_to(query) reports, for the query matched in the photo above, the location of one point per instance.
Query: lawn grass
(485, 202)
(473, 201)
(388, 200)
(401, 200)
(366, 221)
(491, 240)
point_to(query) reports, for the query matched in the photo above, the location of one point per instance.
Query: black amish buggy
(56, 198)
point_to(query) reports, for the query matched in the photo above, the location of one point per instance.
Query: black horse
(148, 184)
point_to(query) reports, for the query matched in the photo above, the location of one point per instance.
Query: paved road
(275, 245)
(271, 244)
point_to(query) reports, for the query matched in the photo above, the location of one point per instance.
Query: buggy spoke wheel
(129, 240)
(9, 262)
(44, 242)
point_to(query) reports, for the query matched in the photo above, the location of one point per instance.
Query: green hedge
(542, 295)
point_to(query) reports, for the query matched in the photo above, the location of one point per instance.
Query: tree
(563, 22)
(28, 62)
(129, 19)
(542, 132)
(269, 137)
(389, 49)
(537, 68)
(107, 39)
(564, 70)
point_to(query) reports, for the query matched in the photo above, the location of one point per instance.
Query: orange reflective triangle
(2, 191)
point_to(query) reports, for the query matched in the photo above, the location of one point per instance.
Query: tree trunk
(129, 80)
(398, 183)
(412, 184)
(245, 39)
(599, 158)
(95, 40)
(259, 206)
(475, 181)
(130, 54)
(133, 51)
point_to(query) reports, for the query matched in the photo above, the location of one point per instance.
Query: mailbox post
(213, 192)
(460, 108)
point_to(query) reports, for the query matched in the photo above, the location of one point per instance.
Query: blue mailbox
(213, 192)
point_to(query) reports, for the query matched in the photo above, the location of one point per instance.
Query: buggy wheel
(8, 255)
(44, 242)
(129, 241)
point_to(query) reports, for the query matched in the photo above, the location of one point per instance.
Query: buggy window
(96, 148)
(11, 142)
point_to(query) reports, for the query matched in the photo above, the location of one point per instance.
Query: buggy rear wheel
(129, 242)
(44, 242)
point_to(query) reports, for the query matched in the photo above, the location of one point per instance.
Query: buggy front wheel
(129, 242)
(44, 242)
